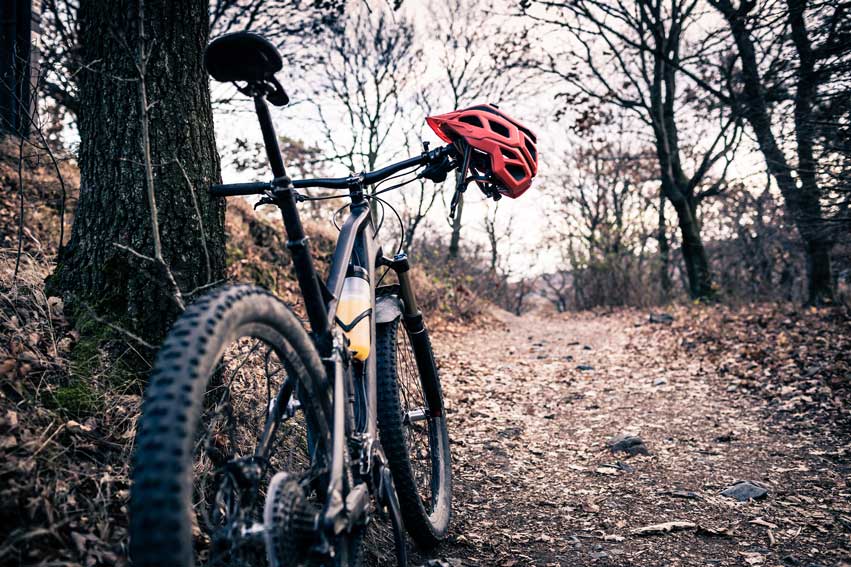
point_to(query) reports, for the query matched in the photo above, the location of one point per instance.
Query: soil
(536, 483)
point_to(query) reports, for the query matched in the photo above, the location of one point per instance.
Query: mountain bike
(260, 442)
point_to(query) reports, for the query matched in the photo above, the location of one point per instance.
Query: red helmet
(510, 146)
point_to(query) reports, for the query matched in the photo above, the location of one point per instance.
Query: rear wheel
(414, 435)
(235, 388)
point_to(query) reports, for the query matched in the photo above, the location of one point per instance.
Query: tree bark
(114, 209)
(664, 254)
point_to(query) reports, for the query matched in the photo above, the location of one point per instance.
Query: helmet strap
(461, 179)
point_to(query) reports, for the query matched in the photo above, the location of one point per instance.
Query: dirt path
(532, 404)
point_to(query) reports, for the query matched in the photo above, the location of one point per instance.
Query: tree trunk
(819, 273)
(694, 253)
(664, 254)
(455, 239)
(114, 207)
(676, 186)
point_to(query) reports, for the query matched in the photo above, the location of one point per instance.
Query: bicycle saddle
(242, 56)
(246, 56)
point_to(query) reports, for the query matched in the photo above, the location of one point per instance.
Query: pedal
(391, 501)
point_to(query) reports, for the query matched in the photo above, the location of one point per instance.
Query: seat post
(270, 138)
(308, 280)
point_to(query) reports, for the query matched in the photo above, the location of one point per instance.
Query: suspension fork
(412, 318)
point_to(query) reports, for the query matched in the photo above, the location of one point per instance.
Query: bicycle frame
(356, 244)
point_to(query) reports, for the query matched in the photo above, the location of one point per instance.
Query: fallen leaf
(663, 528)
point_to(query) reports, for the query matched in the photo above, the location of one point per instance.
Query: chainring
(288, 518)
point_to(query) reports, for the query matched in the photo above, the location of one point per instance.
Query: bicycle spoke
(417, 420)
(235, 415)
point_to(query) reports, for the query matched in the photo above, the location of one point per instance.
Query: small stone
(629, 444)
(510, 432)
(659, 382)
(587, 347)
(745, 490)
(584, 367)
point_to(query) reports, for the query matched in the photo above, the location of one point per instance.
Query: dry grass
(65, 436)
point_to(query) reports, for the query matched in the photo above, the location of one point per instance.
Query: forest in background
(694, 150)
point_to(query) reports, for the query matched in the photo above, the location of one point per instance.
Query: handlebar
(437, 156)
(235, 189)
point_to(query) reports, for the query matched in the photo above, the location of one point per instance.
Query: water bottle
(353, 311)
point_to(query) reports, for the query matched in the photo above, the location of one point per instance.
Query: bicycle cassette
(289, 519)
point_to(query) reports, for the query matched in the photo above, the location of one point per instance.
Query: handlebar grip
(234, 189)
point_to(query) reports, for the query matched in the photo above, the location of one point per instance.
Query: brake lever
(267, 200)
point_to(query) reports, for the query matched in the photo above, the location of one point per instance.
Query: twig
(118, 329)
(177, 295)
(48, 440)
(21, 210)
(146, 138)
(141, 67)
(201, 288)
(200, 220)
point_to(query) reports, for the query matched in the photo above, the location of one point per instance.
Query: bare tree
(796, 52)
(521, 290)
(362, 84)
(558, 289)
(630, 55)
(600, 214)
(496, 236)
(141, 239)
(293, 25)
(471, 54)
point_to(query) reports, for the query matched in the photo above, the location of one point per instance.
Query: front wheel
(412, 425)
(234, 391)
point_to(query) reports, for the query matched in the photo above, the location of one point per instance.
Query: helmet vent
(508, 153)
(531, 149)
(499, 129)
(472, 120)
(517, 172)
